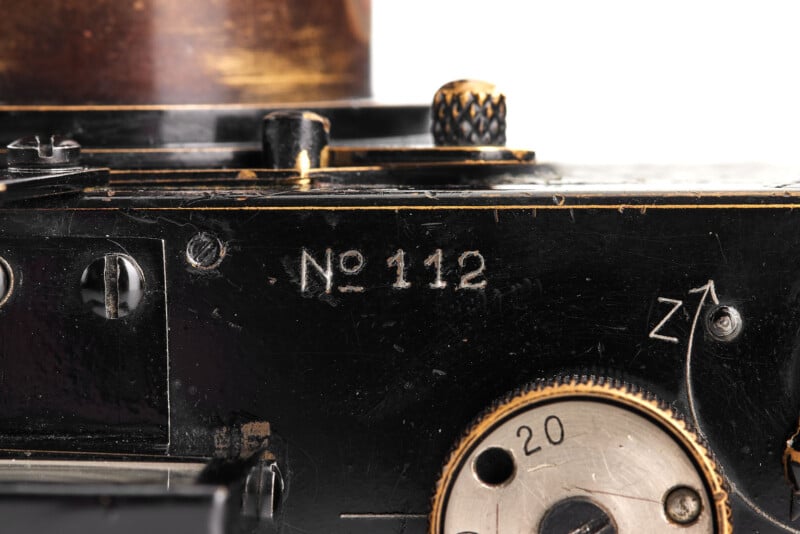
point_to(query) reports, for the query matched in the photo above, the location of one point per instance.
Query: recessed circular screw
(43, 152)
(494, 466)
(683, 505)
(205, 251)
(6, 281)
(112, 286)
(724, 323)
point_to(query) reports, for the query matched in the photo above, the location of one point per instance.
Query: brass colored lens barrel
(166, 52)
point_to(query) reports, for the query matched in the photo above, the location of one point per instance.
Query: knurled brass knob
(469, 113)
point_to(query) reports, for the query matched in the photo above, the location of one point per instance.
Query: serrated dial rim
(592, 388)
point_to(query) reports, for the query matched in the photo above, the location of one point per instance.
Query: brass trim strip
(616, 207)
(221, 172)
(338, 170)
(455, 148)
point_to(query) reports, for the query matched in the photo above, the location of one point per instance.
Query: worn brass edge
(604, 389)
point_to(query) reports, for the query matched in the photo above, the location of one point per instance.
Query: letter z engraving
(654, 334)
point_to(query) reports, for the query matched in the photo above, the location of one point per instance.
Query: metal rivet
(683, 505)
(112, 286)
(205, 251)
(723, 323)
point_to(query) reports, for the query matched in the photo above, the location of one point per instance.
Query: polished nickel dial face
(580, 457)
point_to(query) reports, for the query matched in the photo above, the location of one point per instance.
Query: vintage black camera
(223, 315)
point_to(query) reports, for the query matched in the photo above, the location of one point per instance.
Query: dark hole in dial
(494, 466)
(576, 515)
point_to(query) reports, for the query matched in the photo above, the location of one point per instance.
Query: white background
(617, 81)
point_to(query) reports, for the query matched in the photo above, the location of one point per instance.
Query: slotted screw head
(205, 251)
(112, 286)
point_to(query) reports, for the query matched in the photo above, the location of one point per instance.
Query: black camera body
(196, 341)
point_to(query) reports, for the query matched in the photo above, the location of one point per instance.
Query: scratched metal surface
(661, 179)
(480, 182)
(366, 390)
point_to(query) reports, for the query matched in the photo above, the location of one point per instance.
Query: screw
(205, 251)
(262, 491)
(724, 323)
(40, 151)
(6, 281)
(683, 505)
(112, 286)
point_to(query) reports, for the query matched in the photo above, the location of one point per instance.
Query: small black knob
(469, 113)
(295, 140)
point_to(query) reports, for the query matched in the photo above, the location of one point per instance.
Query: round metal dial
(580, 456)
